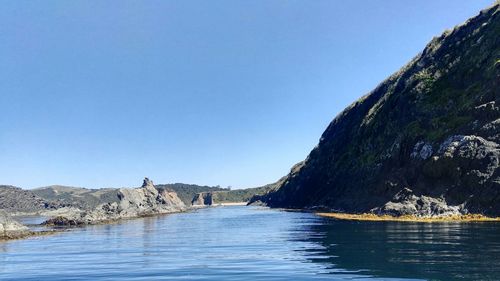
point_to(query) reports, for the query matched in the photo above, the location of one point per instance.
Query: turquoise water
(252, 243)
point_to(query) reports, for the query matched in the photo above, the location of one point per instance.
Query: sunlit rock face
(10, 227)
(203, 199)
(424, 142)
(132, 202)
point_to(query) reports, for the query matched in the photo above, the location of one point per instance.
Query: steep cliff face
(203, 199)
(425, 141)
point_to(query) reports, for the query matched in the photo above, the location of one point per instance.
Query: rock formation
(203, 199)
(10, 228)
(424, 142)
(131, 203)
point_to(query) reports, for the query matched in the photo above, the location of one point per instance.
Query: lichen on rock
(432, 127)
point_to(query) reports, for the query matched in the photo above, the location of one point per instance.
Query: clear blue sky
(103, 93)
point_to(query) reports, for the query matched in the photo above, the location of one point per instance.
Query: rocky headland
(424, 143)
(131, 203)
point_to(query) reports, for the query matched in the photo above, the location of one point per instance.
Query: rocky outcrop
(131, 203)
(203, 199)
(10, 228)
(406, 202)
(425, 142)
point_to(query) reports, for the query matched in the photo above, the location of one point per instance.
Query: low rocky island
(132, 203)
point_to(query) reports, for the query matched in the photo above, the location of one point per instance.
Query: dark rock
(424, 142)
(62, 221)
(203, 199)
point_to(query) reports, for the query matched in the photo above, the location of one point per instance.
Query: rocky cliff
(131, 203)
(203, 199)
(424, 142)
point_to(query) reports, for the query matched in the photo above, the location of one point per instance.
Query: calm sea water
(252, 243)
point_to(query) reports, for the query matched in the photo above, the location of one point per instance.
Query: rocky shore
(11, 229)
(129, 203)
(67, 206)
(410, 218)
(132, 203)
(424, 143)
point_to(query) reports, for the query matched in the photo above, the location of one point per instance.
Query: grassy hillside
(77, 196)
(239, 195)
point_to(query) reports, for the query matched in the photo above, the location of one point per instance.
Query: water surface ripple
(253, 243)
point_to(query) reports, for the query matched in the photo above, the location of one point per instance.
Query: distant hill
(85, 198)
(240, 195)
(186, 192)
(15, 199)
(77, 196)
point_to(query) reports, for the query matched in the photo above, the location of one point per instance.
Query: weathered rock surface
(203, 199)
(131, 203)
(10, 228)
(424, 142)
(89, 199)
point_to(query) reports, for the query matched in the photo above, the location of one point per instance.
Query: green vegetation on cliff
(425, 141)
(239, 195)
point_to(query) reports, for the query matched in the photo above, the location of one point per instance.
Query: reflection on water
(249, 243)
(436, 251)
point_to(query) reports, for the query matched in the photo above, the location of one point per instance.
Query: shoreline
(231, 204)
(408, 218)
(17, 235)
